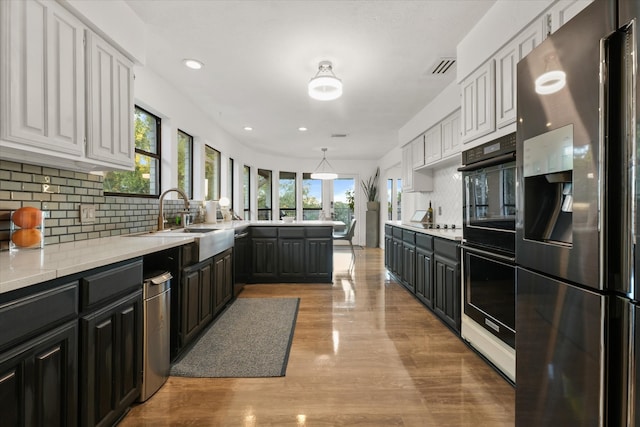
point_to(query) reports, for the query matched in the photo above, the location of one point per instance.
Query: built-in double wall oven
(488, 247)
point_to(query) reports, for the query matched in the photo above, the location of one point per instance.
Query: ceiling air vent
(338, 135)
(443, 66)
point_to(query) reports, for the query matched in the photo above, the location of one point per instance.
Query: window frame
(188, 191)
(294, 209)
(157, 156)
(216, 192)
(305, 209)
(268, 200)
(246, 191)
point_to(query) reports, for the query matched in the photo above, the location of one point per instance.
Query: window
(211, 173)
(144, 180)
(390, 199)
(343, 200)
(287, 191)
(264, 194)
(311, 197)
(399, 197)
(230, 182)
(185, 163)
(246, 191)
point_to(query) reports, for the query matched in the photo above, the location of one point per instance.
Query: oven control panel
(502, 145)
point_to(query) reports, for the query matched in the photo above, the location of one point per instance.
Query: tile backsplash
(59, 193)
(446, 199)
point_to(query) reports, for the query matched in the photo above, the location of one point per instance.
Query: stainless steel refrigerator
(577, 312)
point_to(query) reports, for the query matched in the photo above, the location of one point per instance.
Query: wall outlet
(439, 210)
(87, 214)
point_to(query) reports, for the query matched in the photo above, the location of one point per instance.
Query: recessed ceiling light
(248, 128)
(302, 129)
(194, 64)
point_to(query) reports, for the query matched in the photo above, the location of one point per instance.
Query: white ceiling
(260, 54)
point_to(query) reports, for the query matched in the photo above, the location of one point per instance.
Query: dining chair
(347, 235)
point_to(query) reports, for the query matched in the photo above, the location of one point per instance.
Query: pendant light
(325, 86)
(324, 169)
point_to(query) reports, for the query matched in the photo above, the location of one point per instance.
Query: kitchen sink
(210, 241)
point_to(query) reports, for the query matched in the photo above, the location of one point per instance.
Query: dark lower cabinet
(291, 254)
(264, 253)
(318, 260)
(424, 275)
(429, 267)
(111, 360)
(196, 300)
(205, 289)
(388, 247)
(291, 258)
(446, 295)
(223, 279)
(39, 380)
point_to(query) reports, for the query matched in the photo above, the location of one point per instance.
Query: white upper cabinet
(413, 179)
(109, 104)
(64, 100)
(433, 144)
(42, 100)
(451, 135)
(478, 102)
(563, 10)
(506, 71)
(418, 152)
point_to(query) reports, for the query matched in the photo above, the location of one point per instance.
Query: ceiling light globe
(325, 88)
(193, 64)
(324, 175)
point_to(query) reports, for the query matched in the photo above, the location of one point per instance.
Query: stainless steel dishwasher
(156, 337)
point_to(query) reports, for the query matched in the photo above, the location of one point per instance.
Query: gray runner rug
(251, 338)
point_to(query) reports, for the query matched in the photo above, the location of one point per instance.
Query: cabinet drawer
(397, 232)
(264, 231)
(424, 241)
(409, 237)
(388, 230)
(110, 283)
(320, 232)
(289, 232)
(30, 315)
(446, 248)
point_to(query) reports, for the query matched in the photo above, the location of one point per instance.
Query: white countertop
(31, 266)
(445, 233)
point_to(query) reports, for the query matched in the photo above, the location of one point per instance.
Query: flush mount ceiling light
(325, 86)
(248, 128)
(302, 129)
(324, 169)
(194, 64)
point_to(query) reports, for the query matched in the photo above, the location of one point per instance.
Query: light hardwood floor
(364, 352)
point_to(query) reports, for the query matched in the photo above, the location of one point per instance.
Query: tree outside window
(287, 192)
(144, 180)
(185, 163)
(246, 191)
(264, 194)
(311, 197)
(212, 173)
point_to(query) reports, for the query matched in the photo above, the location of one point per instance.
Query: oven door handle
(503, 158)
(489, 254)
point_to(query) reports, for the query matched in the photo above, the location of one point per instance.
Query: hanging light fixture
(324, 169)
(325, 86)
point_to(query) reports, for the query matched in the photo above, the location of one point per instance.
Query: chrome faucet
(161, 211)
